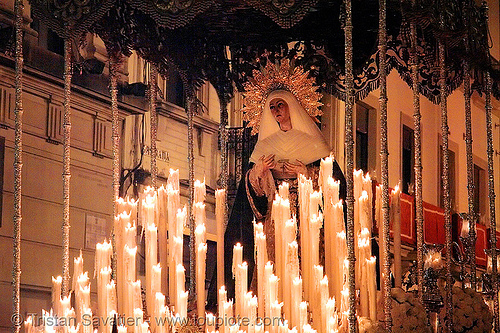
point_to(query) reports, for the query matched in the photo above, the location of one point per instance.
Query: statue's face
(279, 110)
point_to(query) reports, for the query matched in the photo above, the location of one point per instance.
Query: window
(174, 89)
(407, 156)
(480, 193)
(55, 43)
(2, 155)
(362, 122)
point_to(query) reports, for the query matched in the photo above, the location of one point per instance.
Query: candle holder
(487, 279)
(410, 278)
(431, 297)
(487, 284)
(464, 256)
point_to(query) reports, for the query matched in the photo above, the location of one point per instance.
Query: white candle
(323, 293)
(333, 187)
(237, 257)
(65, 304)
(220, 217)
(305, 189)
(241, 288)
(28, 325)
(103, 279)
(176, 256)
(364, 248)
(176, 240)
(317, 275)
(103, 253)
(325, 171)
(122, 221)
(296, 300)
(330, 197)
(339, 248)
(181, 221)
(162, 235)
(250, 311)
(275, 316)
(173, 179)
(199, 191)
(220, 304)
(261, 251)
(129, 266)
(72, 329)
(292, 271)
(364, 211)
(210, 322)
(83, 301)
(148, 210)
(181, 283)
(156, 281)
(182, 306)
(372, 287)
(200, 234)
(163, 327)
(77, 269)
(87, 312)
(111, 297)
(315, 203)
(129, 236)
(151, 260)
(228, 313)
(56, 294)
(331, 324)
(315, 225)
(201, 256)
(358, 190)
(283, 190)
(257, 228)
(367, 187)
(268, 271)
(157, 313)
(199, 213)
(277, 215)
(138, 320)
(136, 299)
(344, 304)
(274, 306)
(303, 315)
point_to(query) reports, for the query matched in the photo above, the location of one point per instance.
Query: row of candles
(286, 288)
(123, 297)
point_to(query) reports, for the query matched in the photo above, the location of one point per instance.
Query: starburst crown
(276, 76)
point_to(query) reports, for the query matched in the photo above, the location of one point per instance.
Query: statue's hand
(297, 168)
(265, 163)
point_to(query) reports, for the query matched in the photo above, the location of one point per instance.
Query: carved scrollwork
(174, 6)
(70, 18)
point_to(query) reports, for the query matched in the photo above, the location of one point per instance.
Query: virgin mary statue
(289, 143)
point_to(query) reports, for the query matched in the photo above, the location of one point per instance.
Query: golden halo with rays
(279, 76)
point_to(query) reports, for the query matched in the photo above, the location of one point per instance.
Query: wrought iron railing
(239, 146)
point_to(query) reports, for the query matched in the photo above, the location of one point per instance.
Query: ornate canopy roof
(222, 41)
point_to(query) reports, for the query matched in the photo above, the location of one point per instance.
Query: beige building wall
(91, 169)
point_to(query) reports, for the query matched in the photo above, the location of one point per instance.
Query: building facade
(91, 157)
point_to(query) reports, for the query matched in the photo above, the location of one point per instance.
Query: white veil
(303, 142)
